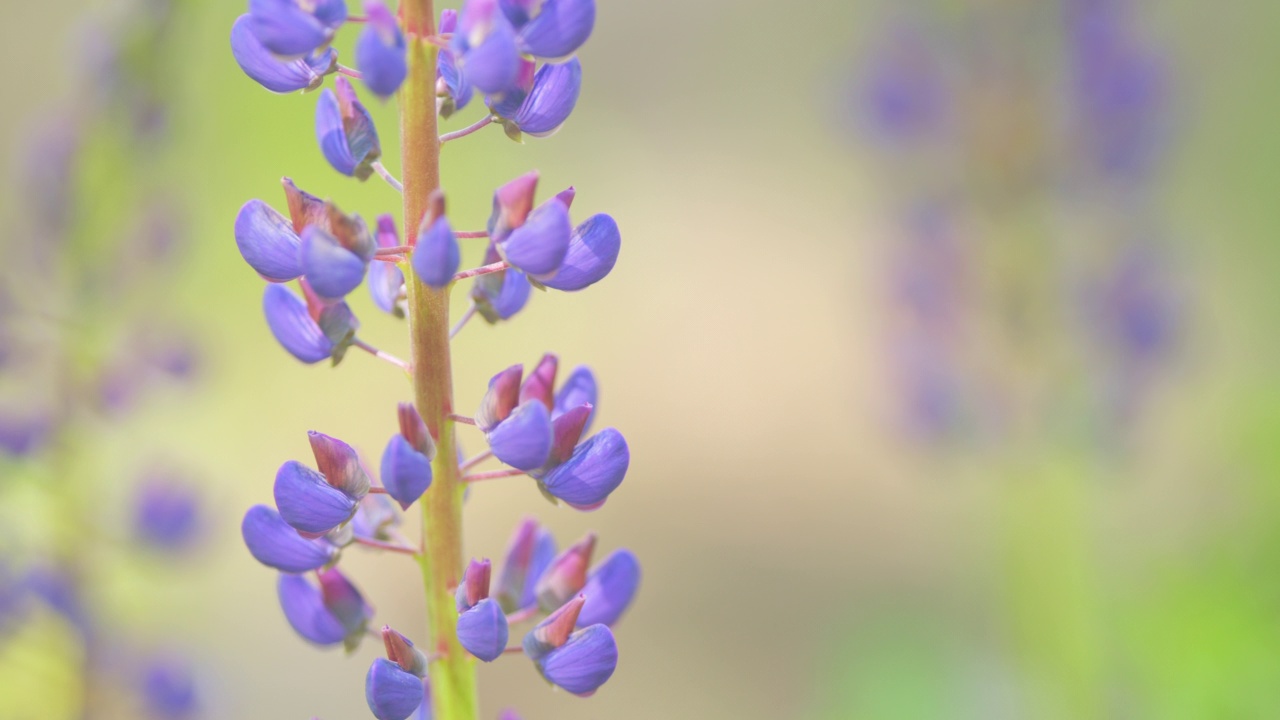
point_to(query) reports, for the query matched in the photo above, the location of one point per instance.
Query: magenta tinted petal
(584, 663)
(507, 103)
(566, 575)
(530, 551)
(593, 251)
(483, 630)
(292, 325)
(538, 386)
(559, 28)
(275, 544)
(406, 473)
(595, 470)
(567, 429)
(285, 28)
(309, 503)
(269, 71)
(346, 132)
(344, 600)
(339, 463)
(303, 606)
(523, 440)
(385, 279)
(538, 247)
(501, 398)
(610, 588)
(436, 257)
(331, 270)
(267, 242)
(554, 95)
(392, 693)
(578, 389)
(380, 50)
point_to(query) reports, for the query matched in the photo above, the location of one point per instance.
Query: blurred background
(943, 336)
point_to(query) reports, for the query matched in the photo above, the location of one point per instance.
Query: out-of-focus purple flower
(332, 270)
(548, 103)
(578, 389)
(304, 608)
(375, 517)
(392, 693)
(274, 543)
(406, 473)
(539, 245)
(904, 94)
(386, 282)
(530, 552)
(380, 50)
(58, 590)
(273, 73)
(584, 663)
(508, 714)
(345, 131)
(593, 251)
(166, 513)
(436, 256)
(596, 468)
(293, 28)
(26, 435)
(566, 575)
(610, 588)
(556, 31)
(1139, 309)
(169, 689)
(267, 242)
(484, 46)
(483, 630)
(456, 90)
(540, 385)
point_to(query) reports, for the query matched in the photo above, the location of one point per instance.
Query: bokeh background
(933, 413)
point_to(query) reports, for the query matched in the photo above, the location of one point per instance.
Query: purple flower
(554, 630)
(529, 554)
(483, 630)
(406, 473)
(380, 50)
(345, 131)
(539, 245)
(523, 439)
(274, 543)
(541, 382)
(272, 73)
(593, 251)
(392, 693)
(582, 664)
(550, 100)
(24, 436)
(400, 650)
(375, 517)
(331, 270)
(268, 242)
(168, 689)
(304, 608)
(566, 431)
(512, 203)
(339, 463)
(304, 208)
(310, 332)
(577, 390)
(558, 29)
(596, 468)
(309, 503)
(485, 46)
(436, 256)
(166, 513)
(499, 296)
(386, 282)
(474, 586)
(566, 575)
(610, 588)
(904, 96)
(344, 600)
(292, 28)
(455, 83)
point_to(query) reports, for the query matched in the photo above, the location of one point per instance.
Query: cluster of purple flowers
(980, 138)
(519, 55)
(79, 354)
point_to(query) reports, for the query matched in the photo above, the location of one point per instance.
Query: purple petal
(500, 399)
(540, 382)
(544, 553)
(303, 606)
(309, 503)
(523, 440)
(593, 251)
(346, 132)
(380, 51)
(406, 473)
(385, 279)
(578, 389)
(267, 242)
(374, 517)
(275, 544)
(583, 664)
(292, 325)
(567, 430)
(538, 247)
(344, 600)
(610, 589)
(559, 28)
(392, 693)
(595, 470)
(554, 95)
(332, 270)
(274, 74)
(285, 28)
(499, 296)
(566, 575)
(507, 103)
(530, 551)
(436, 257)
(483, 630)
(485, 44)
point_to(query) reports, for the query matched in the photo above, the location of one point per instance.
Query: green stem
(453, 676)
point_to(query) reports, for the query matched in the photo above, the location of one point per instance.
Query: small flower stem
(492, 475)
(466, 130)
(381, 355)
(462, 419)
(472, 234)
(476, 460)
(482, 270)
(375, 490)
(440, 40)
(390, 251)
(379, 168)
(462, 321)
(513, 650)
(523, 614)
(391, 547)
(350, 72)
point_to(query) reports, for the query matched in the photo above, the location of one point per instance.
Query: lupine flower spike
(518, 55)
